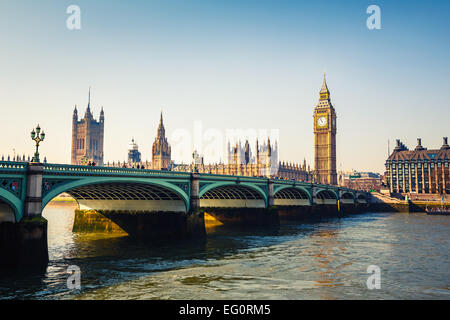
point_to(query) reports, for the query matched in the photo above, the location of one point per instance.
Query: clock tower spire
(325, 138)
(324, 92)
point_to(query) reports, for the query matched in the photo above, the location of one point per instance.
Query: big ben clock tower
(325, 138)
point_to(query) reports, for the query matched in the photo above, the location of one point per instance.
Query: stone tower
(161, 151)
(247, 154)
(87, 137)
(325, 138)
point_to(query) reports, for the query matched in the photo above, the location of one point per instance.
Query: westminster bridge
(151, 202)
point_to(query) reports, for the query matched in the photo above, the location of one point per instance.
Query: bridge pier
(24, 244)
(195, 221)
(270, 194)
(245, 217)
(194, 199)
(33, 200)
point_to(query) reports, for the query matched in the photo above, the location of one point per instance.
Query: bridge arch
(326, 196)
(361, 198)
(347, 195)
(292, 196)
(232, 194)
(130, 191)
(10, 207)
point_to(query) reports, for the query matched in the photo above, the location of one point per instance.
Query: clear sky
(231, 65)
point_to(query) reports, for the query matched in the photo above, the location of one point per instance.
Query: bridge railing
(76, 169)
(13, 166)
(292, 182)
(227, 177)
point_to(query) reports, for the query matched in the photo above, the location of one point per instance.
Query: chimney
(445, 143)
(419, 144)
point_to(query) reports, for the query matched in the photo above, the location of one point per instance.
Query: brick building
(419, 171)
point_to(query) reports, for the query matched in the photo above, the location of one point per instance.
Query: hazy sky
(231, 65)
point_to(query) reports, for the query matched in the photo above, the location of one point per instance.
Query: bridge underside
(291, 197)
(361, 199)
(347, 198)
(127, 196)
(237, 205)
(232, 196)
(141, 210)
(6, 212)
(325, 197)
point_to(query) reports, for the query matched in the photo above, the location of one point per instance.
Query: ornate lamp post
(84, 161)
(37, 136)
(194, 169)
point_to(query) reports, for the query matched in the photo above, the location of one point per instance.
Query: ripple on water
(324, 260)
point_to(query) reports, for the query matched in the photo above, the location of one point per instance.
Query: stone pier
(24, 244)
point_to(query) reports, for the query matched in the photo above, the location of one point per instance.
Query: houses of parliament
(88, 137)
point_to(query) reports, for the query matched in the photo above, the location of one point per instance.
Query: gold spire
(324, 84)
(324, 92)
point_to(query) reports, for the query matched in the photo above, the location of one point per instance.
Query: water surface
(321, 260)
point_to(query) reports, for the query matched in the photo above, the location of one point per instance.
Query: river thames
(327, 259)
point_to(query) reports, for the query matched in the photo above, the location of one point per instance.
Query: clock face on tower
(322, 121)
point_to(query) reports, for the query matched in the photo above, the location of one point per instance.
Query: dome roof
(133, 145)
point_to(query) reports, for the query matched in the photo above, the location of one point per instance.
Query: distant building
(242, 162)
(420, 170)
(161, 153)
(198, 159)
(366, 181)
(87, 137)
(266, 157)
(134, 156)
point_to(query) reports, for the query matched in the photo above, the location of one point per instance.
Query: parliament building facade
(241, 162)
(87, 146)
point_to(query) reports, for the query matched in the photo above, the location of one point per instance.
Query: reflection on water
(324, 260)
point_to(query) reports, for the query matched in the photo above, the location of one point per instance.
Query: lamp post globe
(37, 137)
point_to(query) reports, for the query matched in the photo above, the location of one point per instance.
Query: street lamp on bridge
(37, 136)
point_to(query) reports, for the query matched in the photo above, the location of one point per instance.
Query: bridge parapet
(86, 170)
(219, 177)
(13, 166)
